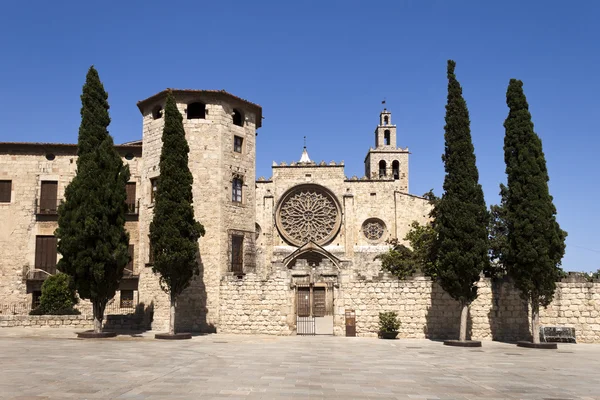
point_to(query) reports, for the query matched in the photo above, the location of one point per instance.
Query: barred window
(236, 190)
(237, 253)
(126, 299)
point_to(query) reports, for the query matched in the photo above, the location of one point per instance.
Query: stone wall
(47, 321)
(27, 165)
(255, 305)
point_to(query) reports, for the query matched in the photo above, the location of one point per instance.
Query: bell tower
(387, 161)
(385, 134)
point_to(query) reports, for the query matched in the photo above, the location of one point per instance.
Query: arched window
(382, 169)
(386, 137)
(238, 118)
(196, 111)
(157, 112)
(386, 120)
(396, 169)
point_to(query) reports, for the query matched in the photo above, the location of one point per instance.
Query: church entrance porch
(314, 310)
(314, 275)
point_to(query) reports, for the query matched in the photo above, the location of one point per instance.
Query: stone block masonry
(266, 306)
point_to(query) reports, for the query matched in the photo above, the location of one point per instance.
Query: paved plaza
(52, 364)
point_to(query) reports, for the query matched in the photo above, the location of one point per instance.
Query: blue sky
(321, 69)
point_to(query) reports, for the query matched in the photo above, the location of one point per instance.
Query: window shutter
(130, 197)
(5, 188)
(48, 197)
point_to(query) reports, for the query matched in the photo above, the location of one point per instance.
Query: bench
(562, 334)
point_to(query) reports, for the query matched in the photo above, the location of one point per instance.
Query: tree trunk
(463, 322)
(535, 322)
(172, 319)
(98, 309)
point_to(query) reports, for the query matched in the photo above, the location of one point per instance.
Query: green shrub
(388, 321)
(58, 297)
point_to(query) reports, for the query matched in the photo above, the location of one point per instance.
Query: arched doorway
(314, 274)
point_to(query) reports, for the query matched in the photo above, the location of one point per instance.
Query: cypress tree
(93, 241)
(535, 243)
(174, 232)
(461, 215)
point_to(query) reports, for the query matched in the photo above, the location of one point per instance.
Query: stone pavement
(52, 364)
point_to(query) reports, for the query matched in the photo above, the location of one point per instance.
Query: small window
(382, 169)
(386, 120)
(396, 169)
(386, 137)
(153, 189)
(50, 157)
(5, 189)
(129, 156)
(150, 252)
(157, 112)
(237, 144)
(237, 253)
(238, 118)
(236, 190)
(196, 111)
(131, 206)
(126, 299)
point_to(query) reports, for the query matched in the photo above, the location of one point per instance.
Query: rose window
(373, 229)
(308, 213)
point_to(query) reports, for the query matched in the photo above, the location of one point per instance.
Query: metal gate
(305, 323)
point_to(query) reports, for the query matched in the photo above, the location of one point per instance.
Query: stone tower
(220, 129)
(386, 160)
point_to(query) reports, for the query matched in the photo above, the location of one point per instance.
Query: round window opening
(373, 228)
(129, 156)
(50, 157)
(308, 213)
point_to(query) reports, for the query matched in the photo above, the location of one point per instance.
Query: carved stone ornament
(373, 229)
(308, 213)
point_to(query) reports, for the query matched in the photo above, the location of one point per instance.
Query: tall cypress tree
(461, 215)
(174, 232)
(535, 243)
(93, 241)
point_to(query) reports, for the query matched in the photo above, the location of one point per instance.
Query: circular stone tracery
(308, 213)
(373, 228)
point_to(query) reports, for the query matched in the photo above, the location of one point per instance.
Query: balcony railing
(45, 206)
(39, 274)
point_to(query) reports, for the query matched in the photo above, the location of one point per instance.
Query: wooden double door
(314, 310)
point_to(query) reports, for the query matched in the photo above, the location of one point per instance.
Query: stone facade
(282, 255)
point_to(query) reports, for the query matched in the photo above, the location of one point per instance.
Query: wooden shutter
(237, 253)
(48, 197)
(5, 188)
(303, 302)
(45, 253)
(130, 197)
(319, 302)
